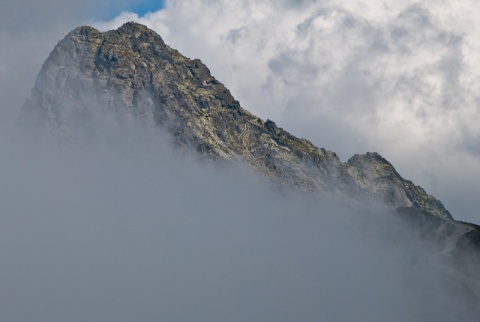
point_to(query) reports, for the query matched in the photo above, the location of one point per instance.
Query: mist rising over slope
(131, 73)
(29, 33)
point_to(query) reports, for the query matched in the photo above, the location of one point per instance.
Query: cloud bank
(398, 78)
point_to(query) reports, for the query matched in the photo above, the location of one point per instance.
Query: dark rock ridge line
(133, 74)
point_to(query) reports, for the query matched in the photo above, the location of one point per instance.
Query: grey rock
(132, 74)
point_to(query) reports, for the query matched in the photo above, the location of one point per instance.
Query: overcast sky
(127, 231)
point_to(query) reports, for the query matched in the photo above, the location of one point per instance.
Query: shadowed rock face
(132, 74)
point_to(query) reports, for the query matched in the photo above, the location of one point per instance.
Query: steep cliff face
(131, 73)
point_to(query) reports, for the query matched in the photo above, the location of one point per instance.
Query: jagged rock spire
(132, 74)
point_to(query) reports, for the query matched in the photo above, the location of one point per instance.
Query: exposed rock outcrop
(131, 73)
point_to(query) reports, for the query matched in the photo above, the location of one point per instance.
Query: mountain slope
(131, 73)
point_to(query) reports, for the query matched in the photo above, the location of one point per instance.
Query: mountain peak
(131, 73)
(83, 30)
(132, 27)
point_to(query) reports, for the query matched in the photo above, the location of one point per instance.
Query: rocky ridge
(133, 74)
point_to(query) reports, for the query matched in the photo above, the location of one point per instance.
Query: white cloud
(398, 78)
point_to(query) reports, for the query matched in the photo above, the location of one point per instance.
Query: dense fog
(125, 227)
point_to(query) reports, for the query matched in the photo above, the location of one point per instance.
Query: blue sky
(141, 7)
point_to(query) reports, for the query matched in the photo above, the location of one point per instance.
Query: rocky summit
(131, 73)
